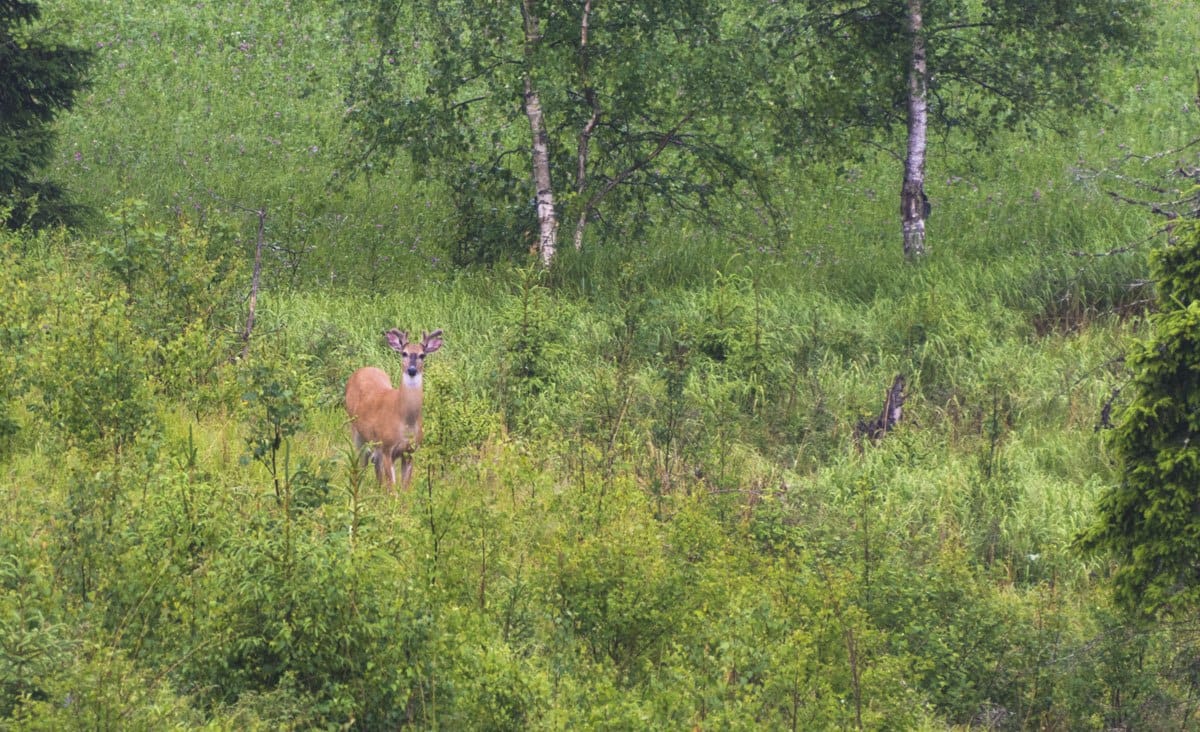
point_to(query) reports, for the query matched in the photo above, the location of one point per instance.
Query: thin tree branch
(665, 140)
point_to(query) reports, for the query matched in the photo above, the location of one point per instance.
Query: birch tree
(543, 183)
(535, 113)
(871, 68)
(914, 204)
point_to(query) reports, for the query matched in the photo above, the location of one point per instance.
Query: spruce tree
(39, 78)
(1150, 521)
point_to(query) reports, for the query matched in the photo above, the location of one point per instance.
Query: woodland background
(643, 502)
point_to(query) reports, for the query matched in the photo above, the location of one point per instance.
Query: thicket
(641, 503)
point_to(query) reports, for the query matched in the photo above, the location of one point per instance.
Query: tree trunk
(255, 277)
(585, 135)
(889, 416)
(547, 217)
(914, 205)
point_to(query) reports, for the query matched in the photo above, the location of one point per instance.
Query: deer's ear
(396, 339)
(432, 341)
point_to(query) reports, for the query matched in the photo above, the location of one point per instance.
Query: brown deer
(387, 419)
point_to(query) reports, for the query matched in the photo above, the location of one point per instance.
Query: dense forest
(803, 365)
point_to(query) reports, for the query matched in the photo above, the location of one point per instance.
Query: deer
(387, 419)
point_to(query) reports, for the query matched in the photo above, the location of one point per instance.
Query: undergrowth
(641, 502)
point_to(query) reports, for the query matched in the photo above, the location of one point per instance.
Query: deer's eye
(421, 356)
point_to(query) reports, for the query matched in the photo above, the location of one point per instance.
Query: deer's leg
(361, 454)
(406, 469)
(385, 470)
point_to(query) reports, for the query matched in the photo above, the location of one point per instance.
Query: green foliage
(620, 594)
(102, 689)
(178, 285)
(34, 639)
(259, 119)
(644, 106)
(274, 397)
(1148, 521)
(639, 503)
(40, 79)
(15, 325)
(92, 372)
(992, 66)
(533, 349)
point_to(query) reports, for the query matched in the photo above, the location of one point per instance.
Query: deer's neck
(409, 397)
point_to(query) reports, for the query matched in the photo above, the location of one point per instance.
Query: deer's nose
(412, 370)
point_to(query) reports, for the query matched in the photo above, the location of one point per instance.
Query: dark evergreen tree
(39, 77)
(1150, 521)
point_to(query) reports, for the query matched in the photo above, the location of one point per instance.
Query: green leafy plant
(1147, 521)
(274, 396)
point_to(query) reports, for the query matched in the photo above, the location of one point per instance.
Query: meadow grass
(641, 501)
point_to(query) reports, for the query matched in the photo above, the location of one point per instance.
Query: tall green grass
(641, 502)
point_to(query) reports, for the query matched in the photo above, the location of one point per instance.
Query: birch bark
(585, 135)
(547, 216)
(914, 205)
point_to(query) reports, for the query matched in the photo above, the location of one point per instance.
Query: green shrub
(1148, 520)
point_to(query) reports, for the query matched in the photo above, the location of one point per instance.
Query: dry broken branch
(889, 416)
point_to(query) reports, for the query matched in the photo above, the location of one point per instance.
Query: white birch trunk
(585, 135)
(914, 205)
(547, 217)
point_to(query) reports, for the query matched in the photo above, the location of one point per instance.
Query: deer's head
(412, 353)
